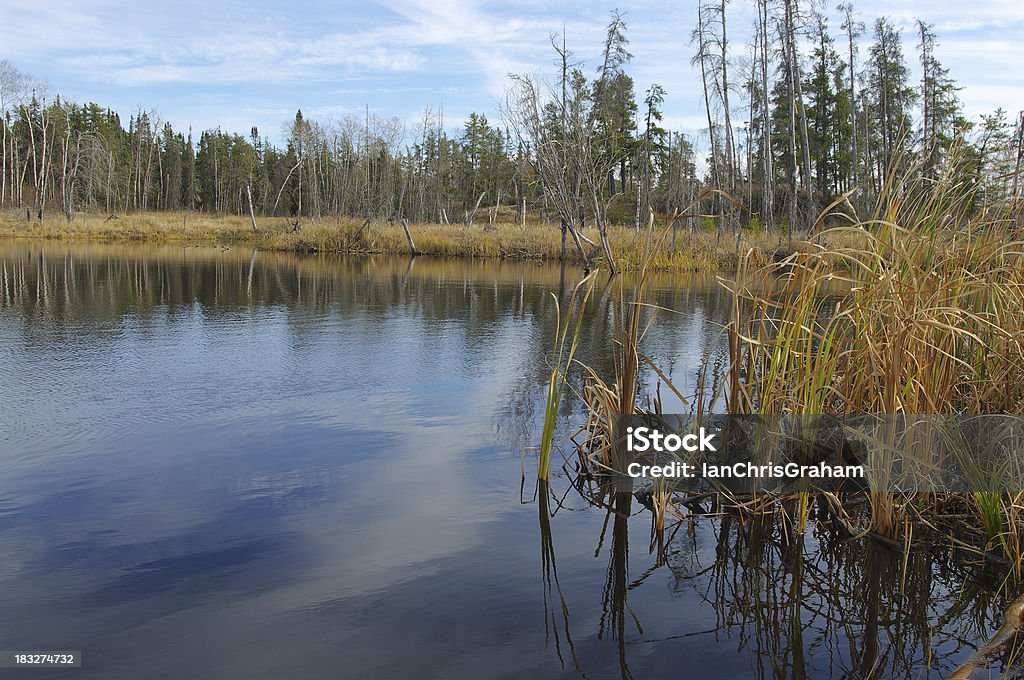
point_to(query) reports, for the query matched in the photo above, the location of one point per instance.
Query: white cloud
(401, 55)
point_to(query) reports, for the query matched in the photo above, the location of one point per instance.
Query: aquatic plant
(916, 310)
(919, 310)
(567, 336)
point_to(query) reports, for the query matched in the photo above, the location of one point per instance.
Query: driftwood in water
(1004, 639)
(412, 246)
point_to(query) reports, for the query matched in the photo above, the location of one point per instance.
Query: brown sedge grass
(917, 310)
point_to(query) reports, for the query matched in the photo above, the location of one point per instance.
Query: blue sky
(237, 64)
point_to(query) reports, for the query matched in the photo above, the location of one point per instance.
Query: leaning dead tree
(408, 236)
(555, 125)
(529, 116)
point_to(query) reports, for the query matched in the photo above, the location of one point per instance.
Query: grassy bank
(914, 311)
(693, 251)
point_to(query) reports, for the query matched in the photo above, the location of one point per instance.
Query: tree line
(796, 118)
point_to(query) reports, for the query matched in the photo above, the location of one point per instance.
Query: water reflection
(228, 463)
(795, 603)
(220, 463)
(557, 629)
(80, 298)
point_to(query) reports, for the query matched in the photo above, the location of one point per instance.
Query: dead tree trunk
(603, 231)
(497, 209)
(470, 216)
(1019, 143)
(701, 59)
(853, 29)
(252, 213)
(730, 143)
(408, 236)
(768, 180)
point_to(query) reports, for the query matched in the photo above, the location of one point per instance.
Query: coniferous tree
(828, 112)
(614, 105)
(940, 107)
(891, 98)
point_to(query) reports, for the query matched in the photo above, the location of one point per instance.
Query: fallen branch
(996, 645)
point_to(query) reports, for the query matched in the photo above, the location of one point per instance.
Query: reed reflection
(796, 595)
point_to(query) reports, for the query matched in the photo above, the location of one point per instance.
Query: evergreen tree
(940, 107)
(614, 105)
(828, 112)
(891, 98)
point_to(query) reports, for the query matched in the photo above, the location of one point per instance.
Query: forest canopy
(808, 112)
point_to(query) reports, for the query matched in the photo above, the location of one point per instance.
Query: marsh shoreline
(690, 251)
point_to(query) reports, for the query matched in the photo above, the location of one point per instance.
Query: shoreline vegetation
(575, 169)
(930, 321)
(701, 250)
(578, 166)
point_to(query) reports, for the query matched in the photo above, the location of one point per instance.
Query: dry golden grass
(918, 309)
(930, 322)
(693, 251)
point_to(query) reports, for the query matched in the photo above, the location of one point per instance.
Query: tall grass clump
(917, 310)
(633, 316)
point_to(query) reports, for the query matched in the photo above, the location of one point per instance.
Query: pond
(222, 463)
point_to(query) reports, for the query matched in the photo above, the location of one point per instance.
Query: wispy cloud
(214, 61)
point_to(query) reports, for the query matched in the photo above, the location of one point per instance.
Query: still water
(216, 463)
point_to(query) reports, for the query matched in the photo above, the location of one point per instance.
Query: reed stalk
(567, 336)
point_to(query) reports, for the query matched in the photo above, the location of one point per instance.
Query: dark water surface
(221, 464)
